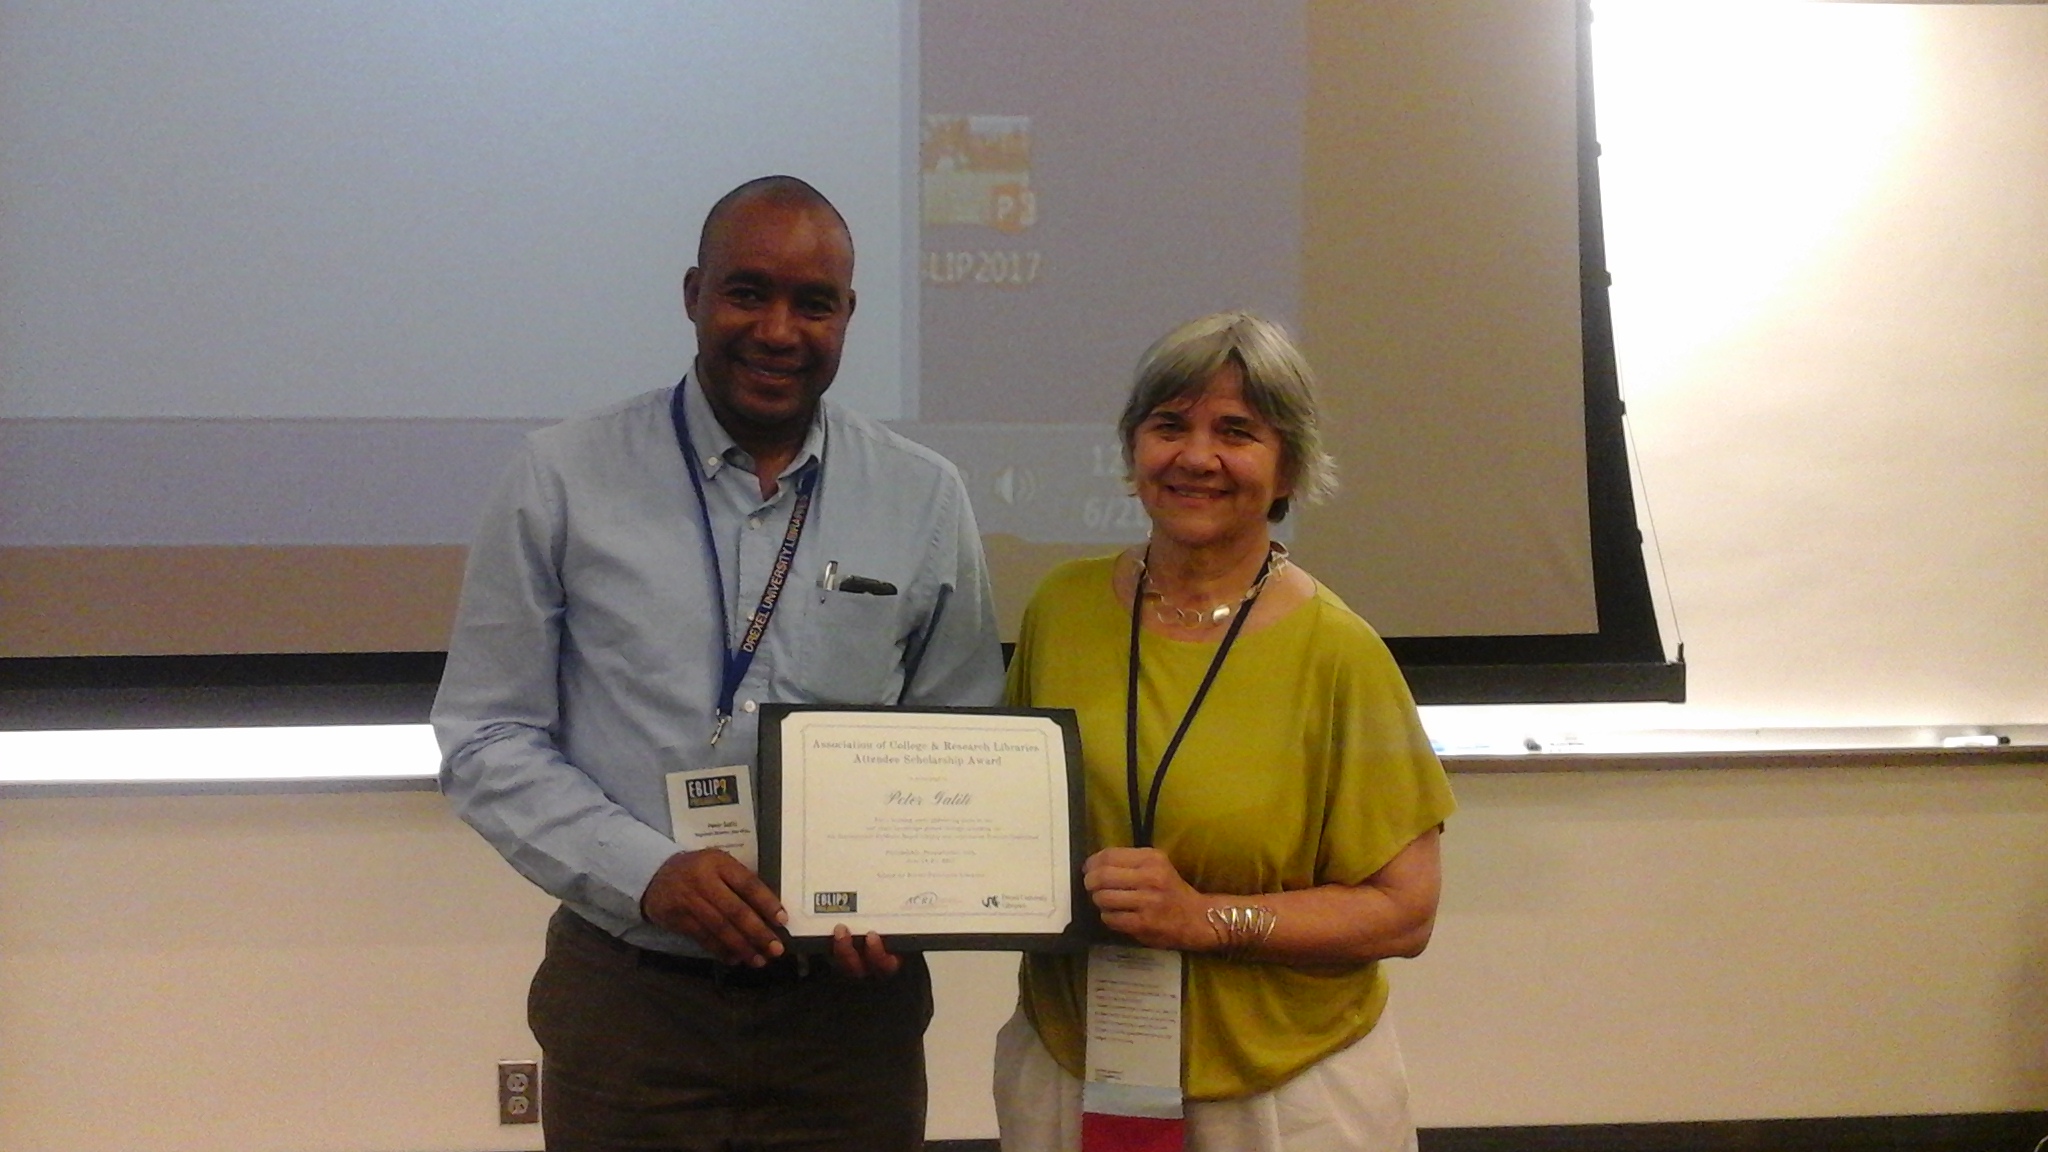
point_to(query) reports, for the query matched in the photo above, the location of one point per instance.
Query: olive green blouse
(1306, 765)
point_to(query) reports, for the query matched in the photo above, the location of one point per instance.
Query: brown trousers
(643, 1051)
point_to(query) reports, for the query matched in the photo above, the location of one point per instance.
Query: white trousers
(1355, 1100)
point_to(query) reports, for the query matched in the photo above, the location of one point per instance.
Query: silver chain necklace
(1173, 615)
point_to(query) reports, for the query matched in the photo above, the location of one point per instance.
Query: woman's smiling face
(1206, 465)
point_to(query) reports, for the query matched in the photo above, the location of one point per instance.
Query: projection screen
(283, 283)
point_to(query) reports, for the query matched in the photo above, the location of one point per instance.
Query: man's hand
(871, 958)
(718, 902)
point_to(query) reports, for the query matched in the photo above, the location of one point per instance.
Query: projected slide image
(284, 285)
(1076, 204)
(977, 170)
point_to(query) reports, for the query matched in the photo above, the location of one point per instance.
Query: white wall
(340, 973)
(1689, 945)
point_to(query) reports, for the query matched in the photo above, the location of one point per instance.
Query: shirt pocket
(852, 650)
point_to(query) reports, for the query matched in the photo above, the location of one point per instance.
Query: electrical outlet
(518, 1091)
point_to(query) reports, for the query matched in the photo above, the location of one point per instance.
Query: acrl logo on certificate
(714, 808)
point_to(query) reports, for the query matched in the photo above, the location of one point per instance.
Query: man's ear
(852, 299)
(693, 282)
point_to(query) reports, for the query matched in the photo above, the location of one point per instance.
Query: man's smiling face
(770, 302)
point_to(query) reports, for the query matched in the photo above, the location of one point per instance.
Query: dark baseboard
(1965, 1132)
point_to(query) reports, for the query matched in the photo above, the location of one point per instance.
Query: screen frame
(1624, 660)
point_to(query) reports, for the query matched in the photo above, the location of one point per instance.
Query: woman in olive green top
(1294, 844)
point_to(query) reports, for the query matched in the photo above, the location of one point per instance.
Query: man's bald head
(785, 191)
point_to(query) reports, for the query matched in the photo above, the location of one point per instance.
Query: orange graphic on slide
(976, 170)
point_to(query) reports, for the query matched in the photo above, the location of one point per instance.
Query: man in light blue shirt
(603, 644)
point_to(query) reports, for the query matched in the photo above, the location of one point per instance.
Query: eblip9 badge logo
(712, 791)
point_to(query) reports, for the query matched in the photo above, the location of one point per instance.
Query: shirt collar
(715, 447)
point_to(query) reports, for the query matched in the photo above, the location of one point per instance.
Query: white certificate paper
(938, 829)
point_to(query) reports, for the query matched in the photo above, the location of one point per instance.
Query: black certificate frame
(1082, 922)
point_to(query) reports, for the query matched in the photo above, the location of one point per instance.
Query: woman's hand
(1141, 895)
(1392, 913)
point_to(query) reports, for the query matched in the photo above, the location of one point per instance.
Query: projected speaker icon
(1016, 486)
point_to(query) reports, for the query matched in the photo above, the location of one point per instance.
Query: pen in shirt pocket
(832, 581)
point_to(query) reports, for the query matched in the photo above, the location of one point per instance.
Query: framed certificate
(947, 829)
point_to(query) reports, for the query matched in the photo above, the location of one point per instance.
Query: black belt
(788, 968)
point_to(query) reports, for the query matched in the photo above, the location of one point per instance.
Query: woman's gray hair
(1278, 385)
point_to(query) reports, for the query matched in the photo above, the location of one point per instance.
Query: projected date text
(996, 268)
(1123, 512)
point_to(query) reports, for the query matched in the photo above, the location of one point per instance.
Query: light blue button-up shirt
(586, 660)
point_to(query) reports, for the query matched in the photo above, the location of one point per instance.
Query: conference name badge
(714, 808)
(1131, 1098)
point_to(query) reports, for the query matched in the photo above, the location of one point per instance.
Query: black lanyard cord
(1144, 821)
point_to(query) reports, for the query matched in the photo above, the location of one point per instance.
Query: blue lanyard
(736, 661)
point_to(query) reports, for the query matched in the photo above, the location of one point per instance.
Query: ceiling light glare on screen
(177, 755)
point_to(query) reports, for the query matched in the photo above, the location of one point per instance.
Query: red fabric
(1101, 1132)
